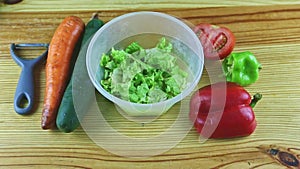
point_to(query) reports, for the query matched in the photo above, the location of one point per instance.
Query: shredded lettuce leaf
(164, 45)
(133, 47)
(143, 75)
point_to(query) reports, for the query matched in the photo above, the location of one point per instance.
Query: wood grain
(270, 32)
(73, 5)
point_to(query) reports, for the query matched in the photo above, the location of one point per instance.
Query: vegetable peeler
(24, 95)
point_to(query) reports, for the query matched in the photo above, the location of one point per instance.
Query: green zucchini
(67, 120)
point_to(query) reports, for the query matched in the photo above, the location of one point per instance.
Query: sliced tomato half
(218, 42)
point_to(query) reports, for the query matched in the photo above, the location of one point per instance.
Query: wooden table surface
(269, 29)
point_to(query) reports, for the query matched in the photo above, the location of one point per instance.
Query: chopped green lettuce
(133, 47)
(164, 45)
(143, 75)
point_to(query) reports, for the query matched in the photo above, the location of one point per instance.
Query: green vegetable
(143, 75)
(241, 68)
(133, 47)
(164, 45)
(66, 120)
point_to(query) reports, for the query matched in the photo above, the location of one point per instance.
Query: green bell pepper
(241, 68)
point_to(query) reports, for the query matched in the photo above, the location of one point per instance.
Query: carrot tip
(47, 126)
(46, 123)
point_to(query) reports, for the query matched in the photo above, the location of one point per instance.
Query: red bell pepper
(226, 116)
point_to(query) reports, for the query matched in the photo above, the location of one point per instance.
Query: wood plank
(270, 32)
(73, 5)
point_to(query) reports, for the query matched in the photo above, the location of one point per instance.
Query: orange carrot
(58, 66)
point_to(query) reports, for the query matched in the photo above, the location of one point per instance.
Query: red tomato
(218, 42)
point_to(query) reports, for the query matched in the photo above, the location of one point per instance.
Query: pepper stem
(255, 99)
(95, 15)
(259, 67)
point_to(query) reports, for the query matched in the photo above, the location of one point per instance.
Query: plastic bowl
(137, 23)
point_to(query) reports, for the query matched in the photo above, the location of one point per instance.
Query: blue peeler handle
(25, 88)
